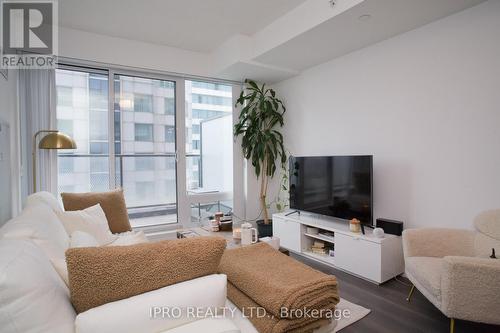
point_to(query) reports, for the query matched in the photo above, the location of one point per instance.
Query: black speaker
(392, 227)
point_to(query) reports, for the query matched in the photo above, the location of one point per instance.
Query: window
(86, 168)
(144, 132)
(143, 103)
(144, 189)
(209, 137)
(66, 164)
(143, 178)
(169, 106)
(144, 164)
(99, 128)
(212, 100)
(212, 86)
(99, 148)
(64, 96)
(170, 134)
(98, 92)
(65, 126)
(142, 139)
(196, 129)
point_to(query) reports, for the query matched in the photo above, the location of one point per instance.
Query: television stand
(293, 212)
(374, 259)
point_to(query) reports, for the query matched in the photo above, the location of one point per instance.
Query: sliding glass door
(145, 148)
(165, 140)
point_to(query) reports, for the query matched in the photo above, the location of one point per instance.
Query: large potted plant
(259, 125)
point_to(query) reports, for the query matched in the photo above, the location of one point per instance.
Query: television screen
(339, 186)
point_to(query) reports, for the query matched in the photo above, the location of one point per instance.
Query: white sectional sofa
(34, 298)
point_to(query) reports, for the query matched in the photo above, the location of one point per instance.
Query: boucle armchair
(452, 268)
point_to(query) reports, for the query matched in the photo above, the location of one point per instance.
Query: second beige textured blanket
(275, 281)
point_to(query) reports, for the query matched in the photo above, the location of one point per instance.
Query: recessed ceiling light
(365, 17)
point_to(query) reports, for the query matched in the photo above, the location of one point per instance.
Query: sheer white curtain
(37, 105)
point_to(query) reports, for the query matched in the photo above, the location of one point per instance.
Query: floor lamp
(53, 139)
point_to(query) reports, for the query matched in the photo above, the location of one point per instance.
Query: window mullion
(111, 130)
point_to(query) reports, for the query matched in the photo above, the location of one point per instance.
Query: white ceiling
(197, 25)
(266, 40)
(346, 33)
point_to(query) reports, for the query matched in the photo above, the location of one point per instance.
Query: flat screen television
(338, 186)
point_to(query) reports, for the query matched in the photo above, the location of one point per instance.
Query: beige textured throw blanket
(270, 323)
(275, 281)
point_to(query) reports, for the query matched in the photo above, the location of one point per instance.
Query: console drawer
(358, 256)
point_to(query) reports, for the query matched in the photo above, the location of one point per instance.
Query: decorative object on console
(392, 227)
(355, 226)
(112, 203)
(259, 122)
(248, 234)
(226, 226)
(493, 256)
(218, 216)
(379, 233)
(214, 225)
(53, 140)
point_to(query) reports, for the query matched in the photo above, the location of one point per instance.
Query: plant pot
(265, 230)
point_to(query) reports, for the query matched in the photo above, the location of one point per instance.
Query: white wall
(426, 104)
(9, 147)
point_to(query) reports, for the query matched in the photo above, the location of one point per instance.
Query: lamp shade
(57, 140)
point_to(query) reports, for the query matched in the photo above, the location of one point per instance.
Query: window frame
(184, 199)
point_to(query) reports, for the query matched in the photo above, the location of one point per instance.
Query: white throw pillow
(82, 239)
(91, 220)
(61, 268)
(130, 238)
(78, 239)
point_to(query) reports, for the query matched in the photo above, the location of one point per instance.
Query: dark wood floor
(390, 312)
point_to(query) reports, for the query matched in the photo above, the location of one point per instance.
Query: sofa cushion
(40, 224)
(99, 275)
(136, 314)
(208, 325)
(45, 198)
(427, 270)
(90, 220)
(33, 297)
(112, 202)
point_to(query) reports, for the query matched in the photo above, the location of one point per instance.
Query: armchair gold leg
(411, 293)
(452, 325)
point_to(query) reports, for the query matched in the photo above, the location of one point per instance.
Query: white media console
(371, 258)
